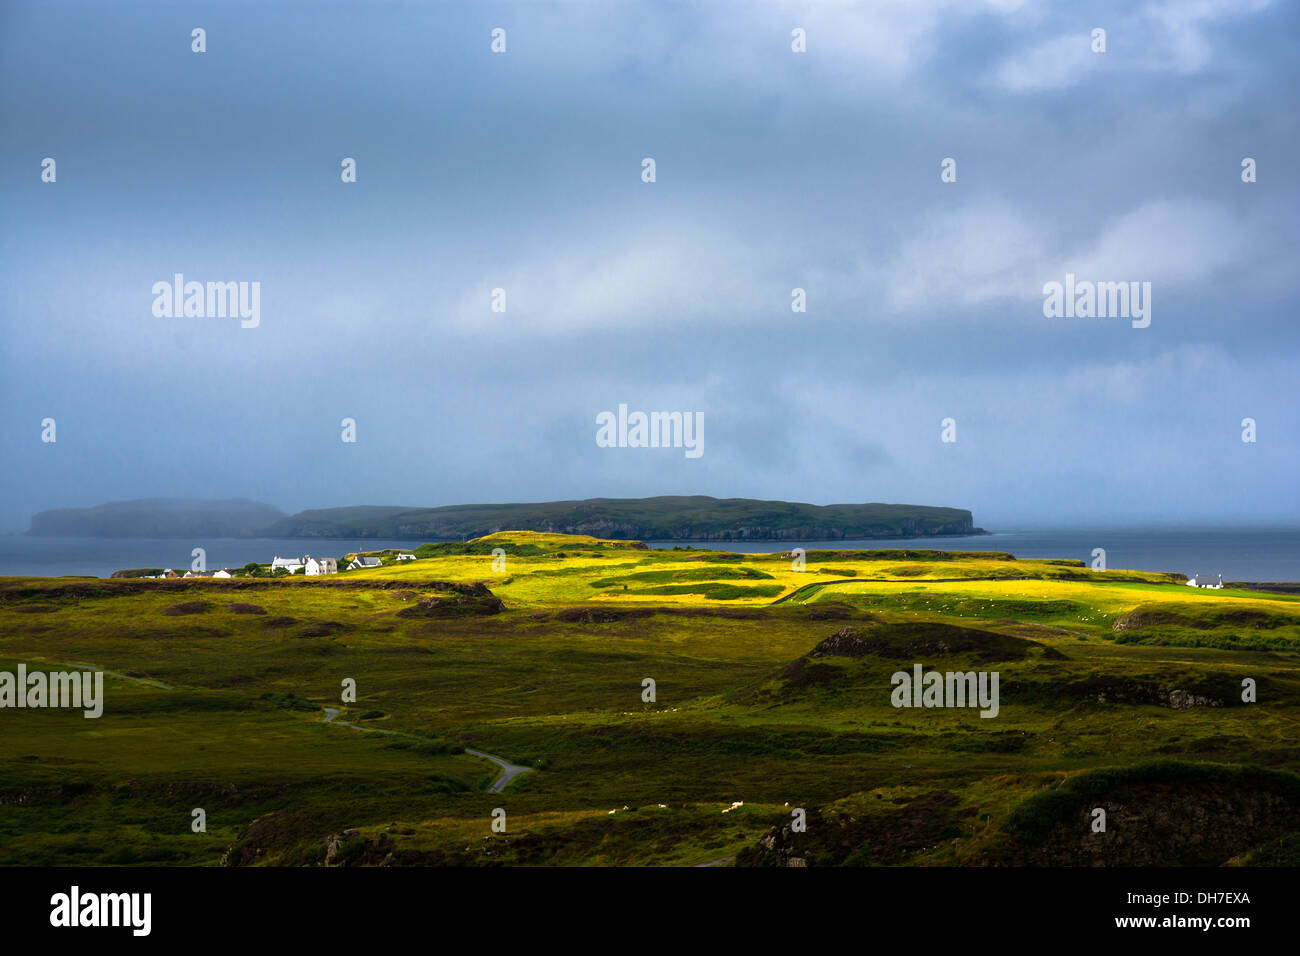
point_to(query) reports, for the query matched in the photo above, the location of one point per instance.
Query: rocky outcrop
(1163, 814)
(926, 639)
(1164, 687)
(455, 601)
(887, 835)
(1202, 619)
(1162, 695)
(601, 615)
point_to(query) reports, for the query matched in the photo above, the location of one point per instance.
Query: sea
(1263, 554)
(100, 557)
(1259, 555)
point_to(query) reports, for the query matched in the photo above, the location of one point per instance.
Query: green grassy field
(1119, 690)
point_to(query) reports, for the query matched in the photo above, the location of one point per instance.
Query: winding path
(508, 770)
(148, 682)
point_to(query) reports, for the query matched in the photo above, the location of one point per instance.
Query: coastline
(1242, 555)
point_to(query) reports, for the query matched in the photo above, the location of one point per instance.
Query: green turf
(1100, 674)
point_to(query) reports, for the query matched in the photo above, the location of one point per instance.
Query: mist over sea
(1256, 554)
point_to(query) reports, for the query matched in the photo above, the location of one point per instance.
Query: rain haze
(523, 171)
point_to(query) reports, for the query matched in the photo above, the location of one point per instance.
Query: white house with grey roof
(321, 565)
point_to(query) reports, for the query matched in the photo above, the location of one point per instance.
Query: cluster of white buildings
(310, 565)
(306, 564)
(170, 573)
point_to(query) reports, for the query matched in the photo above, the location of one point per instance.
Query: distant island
(159, 518)
(665, 518)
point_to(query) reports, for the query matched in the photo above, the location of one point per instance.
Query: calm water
(102, 556)
(1249, 555)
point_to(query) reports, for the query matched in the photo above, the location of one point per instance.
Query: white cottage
(1205, 581)
(364, 561)
(321, 565)
(289, 564)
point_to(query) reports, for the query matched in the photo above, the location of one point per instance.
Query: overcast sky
(774, 170)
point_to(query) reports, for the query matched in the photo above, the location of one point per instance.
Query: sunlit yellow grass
(551, 580)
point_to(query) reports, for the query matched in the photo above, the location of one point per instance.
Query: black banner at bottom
(333, 906)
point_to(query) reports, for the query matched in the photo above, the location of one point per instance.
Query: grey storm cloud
(775, 171)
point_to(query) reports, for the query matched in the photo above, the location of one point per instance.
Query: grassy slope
(541, 684)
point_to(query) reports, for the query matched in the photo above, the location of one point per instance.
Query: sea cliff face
(622, 530)
(649, 519)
